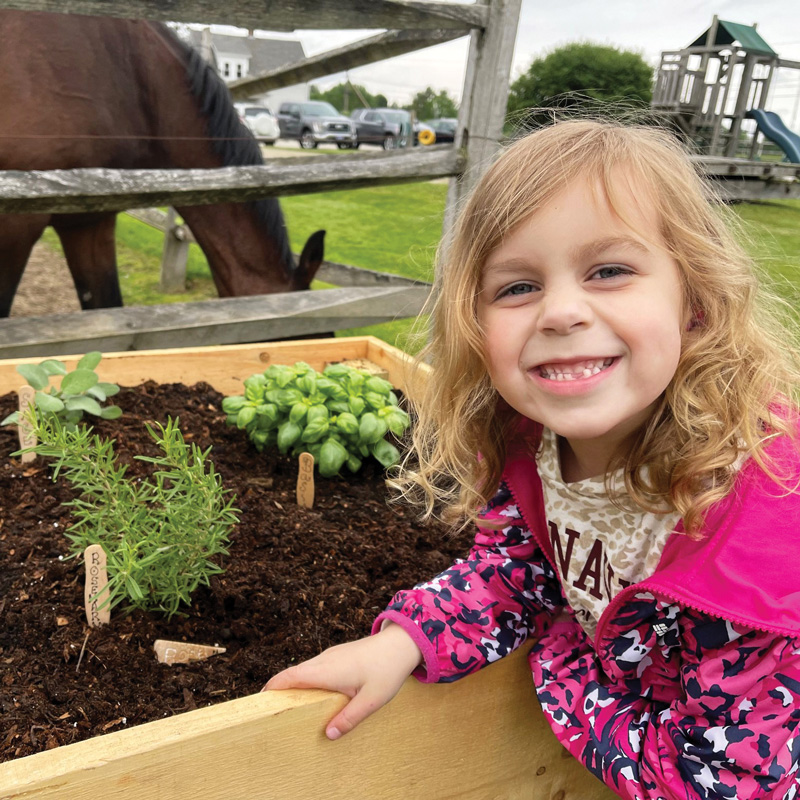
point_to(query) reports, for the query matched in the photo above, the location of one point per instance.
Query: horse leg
(18, 234)
(89, 247)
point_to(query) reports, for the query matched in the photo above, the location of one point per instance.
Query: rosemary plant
(161, 534)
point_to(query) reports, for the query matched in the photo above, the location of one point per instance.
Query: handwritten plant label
(168, 652)
(305, 480)
(27, 438)
(95, 592)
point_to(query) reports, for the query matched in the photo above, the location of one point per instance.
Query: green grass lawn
(396, 229)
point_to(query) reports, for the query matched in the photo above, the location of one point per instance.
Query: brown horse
(82, 91)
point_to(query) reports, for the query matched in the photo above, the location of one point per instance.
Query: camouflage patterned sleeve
(688, 707)
(484, 606)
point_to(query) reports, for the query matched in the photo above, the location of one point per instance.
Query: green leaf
(288, 397)
(386, 453)
(232, 404)
(347, 423)
(52, 366)
(48, 403)
(110, 412)
(332, 457)
(90, 361)
(11, 419)
(357, 405)
(298, 412)
(245, 416)
(397, 421)
(336, 371)
(378, 385)
(317, 412)
(315, 430)
(353, 462)
(110, 389)
(79, 381)
(288, 433)
(97, 393)
(376, 400)
(307, 383)
(268, 410)
(371, 429)
(34, 374)
(88, 404)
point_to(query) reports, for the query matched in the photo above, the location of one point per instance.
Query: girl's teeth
(585, 370)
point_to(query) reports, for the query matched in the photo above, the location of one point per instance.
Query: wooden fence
(491, 26)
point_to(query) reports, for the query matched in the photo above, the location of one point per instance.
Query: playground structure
(716, 92)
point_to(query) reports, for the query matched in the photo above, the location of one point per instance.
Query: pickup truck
(315, 122)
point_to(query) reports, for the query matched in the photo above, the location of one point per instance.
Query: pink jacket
(691, 688)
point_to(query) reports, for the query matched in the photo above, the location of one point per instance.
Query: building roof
(264, 54)
(729, 32)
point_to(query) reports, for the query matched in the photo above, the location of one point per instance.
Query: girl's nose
(563, 311)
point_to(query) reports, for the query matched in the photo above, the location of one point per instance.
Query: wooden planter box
(482, 737)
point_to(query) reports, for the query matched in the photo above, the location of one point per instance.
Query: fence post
(174, 256)
(484, 100)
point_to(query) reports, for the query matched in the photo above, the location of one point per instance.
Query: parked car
(388, 127)
(314, 123)
(444, 128)
(260, 120)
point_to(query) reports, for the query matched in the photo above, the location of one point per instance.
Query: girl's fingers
(366, 702)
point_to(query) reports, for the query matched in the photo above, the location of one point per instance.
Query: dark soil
(296, 581)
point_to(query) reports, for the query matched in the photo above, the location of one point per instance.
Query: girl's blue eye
(517, 288)
(611, 271)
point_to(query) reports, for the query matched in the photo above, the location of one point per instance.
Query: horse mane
(231, 140)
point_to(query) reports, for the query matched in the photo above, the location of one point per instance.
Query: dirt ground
(46, 286)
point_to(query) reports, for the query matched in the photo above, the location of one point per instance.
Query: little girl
(600, 355)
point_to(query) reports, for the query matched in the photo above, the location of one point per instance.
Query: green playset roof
(730, 32)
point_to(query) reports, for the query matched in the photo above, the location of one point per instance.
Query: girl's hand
(370, 671)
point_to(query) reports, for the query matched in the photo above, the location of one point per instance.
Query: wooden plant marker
(168, 652)
(27, 438)
(305, 480)
(95, 592)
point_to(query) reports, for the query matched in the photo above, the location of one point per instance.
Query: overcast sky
(648, 26)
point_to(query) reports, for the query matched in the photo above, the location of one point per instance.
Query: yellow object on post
(427, 136)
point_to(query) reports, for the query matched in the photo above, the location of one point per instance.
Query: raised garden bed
(297, 581)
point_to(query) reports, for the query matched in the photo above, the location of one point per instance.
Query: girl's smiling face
(582, 320)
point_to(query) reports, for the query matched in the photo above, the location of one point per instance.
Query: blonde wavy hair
(737, 375)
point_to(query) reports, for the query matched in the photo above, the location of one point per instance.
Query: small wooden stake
(183, 652)
(305, 480)
(27, 438)
(95, 592)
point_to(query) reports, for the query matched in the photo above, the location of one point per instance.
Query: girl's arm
(484, 606)
(730, 729)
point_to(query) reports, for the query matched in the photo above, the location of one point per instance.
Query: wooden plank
(376, 48)
(224, 367)
(81, 190)
(751, 189)
(286, 15)
(271, 746)
(723, 166)
(221, 321)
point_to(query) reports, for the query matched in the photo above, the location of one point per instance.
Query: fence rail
(287, 15)
(80, 190)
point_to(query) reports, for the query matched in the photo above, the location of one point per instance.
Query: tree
(430, 104)
(348, 96)
(582, 73)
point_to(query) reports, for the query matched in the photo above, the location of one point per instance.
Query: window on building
(226, 69)
(238, 70)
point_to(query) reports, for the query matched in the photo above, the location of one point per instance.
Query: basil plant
(341, 416)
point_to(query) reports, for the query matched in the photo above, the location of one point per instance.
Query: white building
(238, 57)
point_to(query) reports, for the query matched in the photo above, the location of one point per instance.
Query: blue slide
(773, 128)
